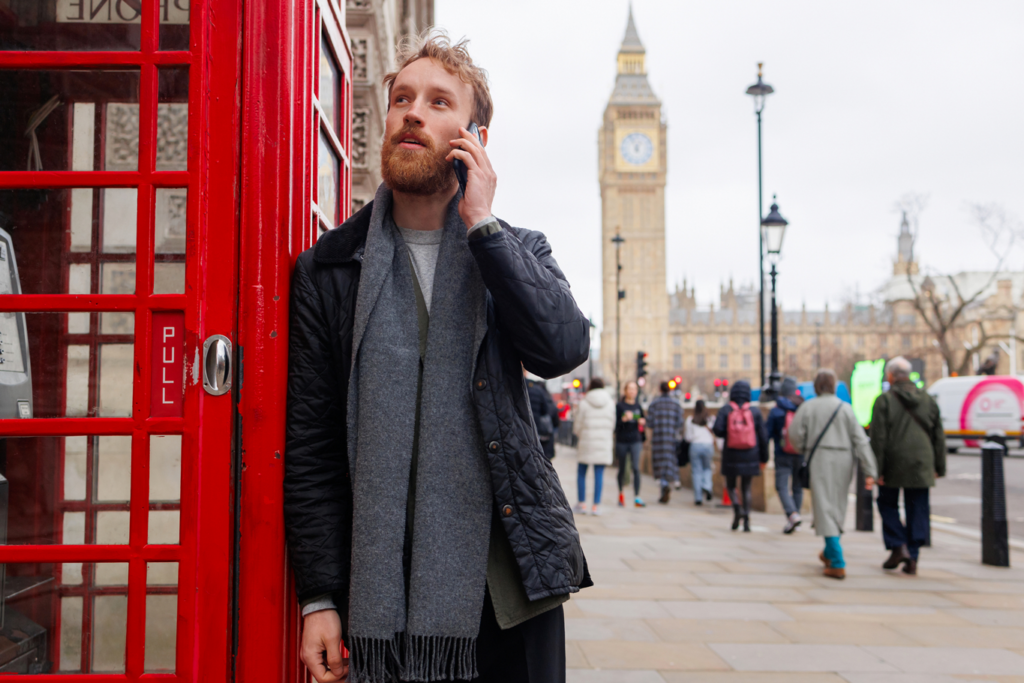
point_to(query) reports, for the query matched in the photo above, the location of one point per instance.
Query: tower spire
(632, 55)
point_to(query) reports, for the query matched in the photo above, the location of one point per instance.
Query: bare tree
(946, 307)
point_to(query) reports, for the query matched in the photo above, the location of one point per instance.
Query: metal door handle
(217, 365)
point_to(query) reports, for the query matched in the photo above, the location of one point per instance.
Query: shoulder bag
(805, 469)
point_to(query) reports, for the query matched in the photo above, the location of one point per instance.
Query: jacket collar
(346, 242)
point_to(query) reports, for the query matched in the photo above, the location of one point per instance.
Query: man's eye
(441, 102)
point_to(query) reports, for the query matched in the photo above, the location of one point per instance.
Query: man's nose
(412, 115)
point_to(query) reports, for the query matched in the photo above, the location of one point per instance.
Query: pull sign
(168, 378)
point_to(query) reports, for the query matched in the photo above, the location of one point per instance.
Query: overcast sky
(873, 99)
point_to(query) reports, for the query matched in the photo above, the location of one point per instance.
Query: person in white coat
(594, 426)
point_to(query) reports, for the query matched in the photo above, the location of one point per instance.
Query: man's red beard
(420, 172)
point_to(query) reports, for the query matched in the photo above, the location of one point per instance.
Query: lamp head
(774, 227)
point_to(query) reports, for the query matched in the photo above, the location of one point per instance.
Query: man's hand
(321, 635)
(869, 483)
(481, 180)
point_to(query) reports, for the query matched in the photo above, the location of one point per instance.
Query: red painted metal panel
(167, 365)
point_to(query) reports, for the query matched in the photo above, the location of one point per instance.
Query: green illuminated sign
(866, 386)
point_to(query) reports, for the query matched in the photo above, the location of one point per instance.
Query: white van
(971, 406)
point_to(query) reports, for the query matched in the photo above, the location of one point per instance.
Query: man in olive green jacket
(910, 447)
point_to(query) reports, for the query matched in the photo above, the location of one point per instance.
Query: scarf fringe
(415, 658)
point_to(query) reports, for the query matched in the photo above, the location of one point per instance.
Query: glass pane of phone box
(72, 618)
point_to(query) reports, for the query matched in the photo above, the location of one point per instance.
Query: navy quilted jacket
(532, 319)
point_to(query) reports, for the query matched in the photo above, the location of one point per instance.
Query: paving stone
(743, 611)
(582, 676)
(988, 600)
(574, 657)
(627, 609)
(842, 633)
(671, 565)
(714, 631)
(782, 579)
(747, 594)
(879, 614)
(749, 677)
(609, 629)
(951, 660)
(913, 599)
(796, 657)
(959, 636)
(618, 654)
(990, 617)
(639, 591)
(899, 678)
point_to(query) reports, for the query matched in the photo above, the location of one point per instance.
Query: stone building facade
(375, 27)
(632, 170)
(720, 342)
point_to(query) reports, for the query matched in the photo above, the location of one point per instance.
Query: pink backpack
(787, 446)
(739, 432)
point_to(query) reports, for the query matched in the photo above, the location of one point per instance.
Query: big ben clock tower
(632, 168)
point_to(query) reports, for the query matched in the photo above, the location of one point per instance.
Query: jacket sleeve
(798, 430)
(775, 422)
(721, 422)
(762, 436)
(533, 305)
(317, 494)
(879, 431)
(859, 443)
(938, 442)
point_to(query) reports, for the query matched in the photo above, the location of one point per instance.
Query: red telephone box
(162, 164)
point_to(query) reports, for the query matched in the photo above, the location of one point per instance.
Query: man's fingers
(334, 660)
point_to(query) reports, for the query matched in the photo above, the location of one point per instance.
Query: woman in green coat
(842, 440)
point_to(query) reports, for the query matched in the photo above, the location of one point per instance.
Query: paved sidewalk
(680, 598)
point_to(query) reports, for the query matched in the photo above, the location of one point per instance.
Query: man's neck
(421, 212)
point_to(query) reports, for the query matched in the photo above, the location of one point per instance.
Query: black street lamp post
(759, 91)
(619, 296)
(773, 229)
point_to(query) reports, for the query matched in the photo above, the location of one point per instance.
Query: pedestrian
(665, 422)
(410, 463)
(827, 431)
(594, 427)
(629, 438)
(910, 445)
(698, 434)
(787, 458)
(745, 449)
(545, 414)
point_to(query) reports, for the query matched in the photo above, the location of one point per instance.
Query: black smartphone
(461, 172)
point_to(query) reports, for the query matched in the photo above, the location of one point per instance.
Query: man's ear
(483, 135)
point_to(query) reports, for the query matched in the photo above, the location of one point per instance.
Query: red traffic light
(677, 379)
(687, 395)
(718, 382)
(725, 382)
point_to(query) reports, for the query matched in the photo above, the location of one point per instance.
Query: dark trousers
(740, 500)
(916, 531)
(532, 652)
(628, 455)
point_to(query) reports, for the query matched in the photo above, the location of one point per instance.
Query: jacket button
(482, 384)
(507, 510)
(494, 447)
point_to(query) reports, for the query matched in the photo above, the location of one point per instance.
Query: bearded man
(427, 531)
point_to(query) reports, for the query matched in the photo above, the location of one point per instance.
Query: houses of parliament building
(702, 344)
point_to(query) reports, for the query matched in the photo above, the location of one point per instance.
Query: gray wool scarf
(429, 634)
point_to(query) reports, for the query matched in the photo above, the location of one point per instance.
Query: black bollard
(995, 546)
(865, 504)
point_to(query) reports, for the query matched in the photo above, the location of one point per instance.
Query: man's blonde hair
(435, 44)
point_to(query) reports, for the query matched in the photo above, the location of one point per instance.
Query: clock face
(636, 148)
